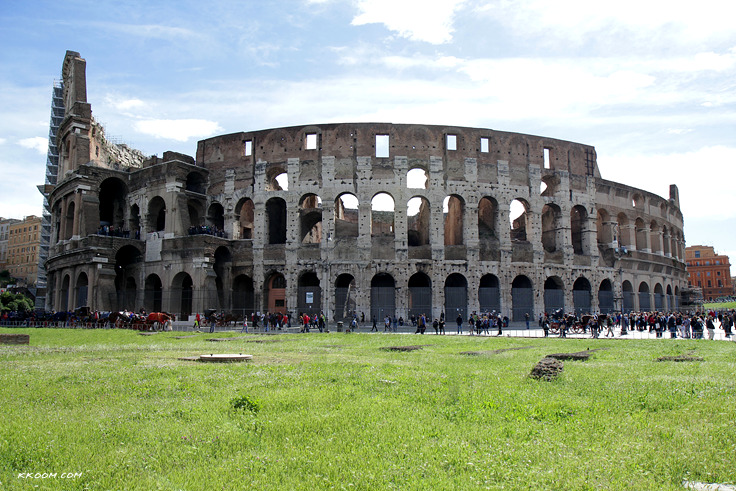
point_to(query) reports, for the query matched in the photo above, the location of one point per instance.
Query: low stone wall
(15, 338)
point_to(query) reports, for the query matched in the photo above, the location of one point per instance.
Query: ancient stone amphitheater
(372, 218)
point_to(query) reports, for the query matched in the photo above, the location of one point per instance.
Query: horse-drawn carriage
(574, 324)
(155, 321)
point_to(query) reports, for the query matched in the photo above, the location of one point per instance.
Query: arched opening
(581, 296)
(420, 295)
(456, 296)
(156, 221)
(346, 216)
(310, 294)
(70, 217)
(276, 294)
(196, 183)
(216, 219)
(604, 233)
(244, 295)
(641, 235)
(554, 295)
(578, 225)
(666, 239)
(518, 216)
(605, 297)
(153, 294)
(624, 233)
(670, 299)
(310, 219)
(549, 185)
(551, 227)
(276, 220)
(645, 304)
(182, 295)
(245, 216)
(417, 178)
(453, 211)
(522, 298)
(488, 239)
(64, 294)
(195, 213)
(658, 298)
(382, 215)
(127, 264)
(654, 238)
(417, 222)
(489, 294)
(112, 205)
(278, 179)
(82, 285)
(344, 297)
(383, 296)
(628, 296)
(134, 223)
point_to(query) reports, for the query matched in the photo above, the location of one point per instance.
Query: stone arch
(216, 218)
(156, 221)
(666, 239)
(624, 233)
(519, 218)
(489, 294)
(578, 226)
(641, 235)
(276, 293)
(549, 185)
(345, 297)
(310, 219)
(456, 296)
(245, 216)
(383, 209)
(128, 261)
(644, 297)
(453, 209)
(420, 295)
(670, 299)
(604, 234)
(627, 290)
(134, 222)
(605, 297)
(223, 267)
(346, 216)
(64, 293)
(659, 297)
(196, 183)
(383, 296)
(581, 296)
(112, 195)
(551, 227)
(554, 294)
(417, 178)
(195, 214)
(182, 295)
(276, 220)
(309, 294)
(153, 294)
(418, 217)
(522, 298)
(82, 289)
(277, 179)
(70, 217)
(244, 296)
(488, 237)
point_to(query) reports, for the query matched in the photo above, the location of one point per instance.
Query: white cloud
(418, 20)
(37, 143)
(2, 141)
(125, 104)
(177, 129)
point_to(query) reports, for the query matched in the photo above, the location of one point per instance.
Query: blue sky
(652, 85)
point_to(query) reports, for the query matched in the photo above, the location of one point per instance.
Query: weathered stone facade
(332, 218)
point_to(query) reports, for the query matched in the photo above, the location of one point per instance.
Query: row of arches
(640, 235)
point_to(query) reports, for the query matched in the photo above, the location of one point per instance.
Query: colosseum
(374, 218)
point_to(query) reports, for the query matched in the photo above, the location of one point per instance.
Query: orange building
(709, 271)
(24, 241)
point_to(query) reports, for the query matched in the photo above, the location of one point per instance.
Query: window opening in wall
(547, 164)
(451, 142)
(382, 146)
(248, 148)
(311, 141)
(484, 147)
(417, 179)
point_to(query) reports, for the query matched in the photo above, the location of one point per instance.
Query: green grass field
(720, 306)
(335, 411)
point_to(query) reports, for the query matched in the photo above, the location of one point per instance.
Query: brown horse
(160, 321)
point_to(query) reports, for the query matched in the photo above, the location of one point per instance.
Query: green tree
(10, 301)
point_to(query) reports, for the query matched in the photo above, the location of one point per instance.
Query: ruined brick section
(318, 218)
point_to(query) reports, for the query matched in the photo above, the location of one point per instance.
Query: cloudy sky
(652, 84)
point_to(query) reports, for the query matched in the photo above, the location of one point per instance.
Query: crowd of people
(112, 231)
(206, 230)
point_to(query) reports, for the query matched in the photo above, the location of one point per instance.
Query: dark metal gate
(522, 301)
(456, 302)
(383, 302)
(658, 302)
(553, 300)
(581, 301)
(628, 302)
(489, 299)
(645, 304)
(605, 301)
(309, 301)
(420, 301)
(344, 303)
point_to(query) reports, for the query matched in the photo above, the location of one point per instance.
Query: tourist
(710, 327)
(459, 323)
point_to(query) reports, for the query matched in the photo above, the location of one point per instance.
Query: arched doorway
(628, 294)
(522, 298)
(82, 284)
(383, 296)
(276, 294)
(309, 299)
(581, 296)
(420, 295)
(605, 297)
(344, 297)
(644, 297)
(489, 294)
(182, 295)
(456, 296)
(243, 296)
(153, 294)
(554, 295)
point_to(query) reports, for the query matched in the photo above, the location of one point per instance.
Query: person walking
(459, 323)
(710, 327)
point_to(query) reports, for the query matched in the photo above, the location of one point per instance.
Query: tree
(10, 301)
